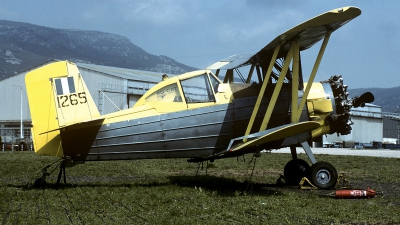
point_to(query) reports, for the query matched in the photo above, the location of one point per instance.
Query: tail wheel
(295, 170)
(323, 175)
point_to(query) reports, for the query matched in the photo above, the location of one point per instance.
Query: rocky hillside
(24, 46)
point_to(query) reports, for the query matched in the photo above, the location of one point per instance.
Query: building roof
(27, 70)
(130, 74)
(369, 110)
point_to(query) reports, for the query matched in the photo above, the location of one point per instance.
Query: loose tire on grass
(295, 170)
(323, 175)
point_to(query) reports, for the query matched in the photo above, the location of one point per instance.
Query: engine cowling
(329, 104)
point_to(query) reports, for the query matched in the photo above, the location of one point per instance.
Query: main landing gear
(321, 174)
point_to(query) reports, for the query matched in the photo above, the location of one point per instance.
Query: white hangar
(367, 127)
(111, 88)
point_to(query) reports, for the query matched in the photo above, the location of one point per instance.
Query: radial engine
(329, 104)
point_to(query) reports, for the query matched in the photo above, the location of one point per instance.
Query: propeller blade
(367, 97)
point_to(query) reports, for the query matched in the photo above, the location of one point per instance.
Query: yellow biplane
(196, 116)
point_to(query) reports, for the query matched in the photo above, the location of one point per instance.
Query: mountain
(388, 98)
(25, 45)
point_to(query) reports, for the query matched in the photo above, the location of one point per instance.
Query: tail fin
(58, 97)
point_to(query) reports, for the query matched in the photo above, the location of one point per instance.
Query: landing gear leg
(66, 162)
(62, 171)
(308, 151)
(293, 151)
(40, 182)
(296, 168)
(321, 174)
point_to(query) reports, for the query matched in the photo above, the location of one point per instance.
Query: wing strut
(277, 90)
(297, 109)
(250, 74)
(261, 94)
(229, 76)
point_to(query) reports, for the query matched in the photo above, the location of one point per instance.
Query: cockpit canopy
(194, 87)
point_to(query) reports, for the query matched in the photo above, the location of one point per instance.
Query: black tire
(323, 175)
(295, 170)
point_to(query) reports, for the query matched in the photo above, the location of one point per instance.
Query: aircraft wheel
(323, 175)
(295, 170)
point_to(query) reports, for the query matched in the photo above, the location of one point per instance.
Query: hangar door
(132, 99)
(136, 89)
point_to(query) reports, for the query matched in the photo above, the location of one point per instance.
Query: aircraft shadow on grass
(96, 182)
(226, 187)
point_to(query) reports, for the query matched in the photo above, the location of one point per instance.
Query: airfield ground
(345, 151)
(167, 191)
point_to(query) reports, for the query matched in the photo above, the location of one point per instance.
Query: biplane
(200, 117)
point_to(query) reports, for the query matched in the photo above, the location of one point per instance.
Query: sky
(366, 51)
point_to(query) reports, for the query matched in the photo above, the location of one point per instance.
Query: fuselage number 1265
(72, 99)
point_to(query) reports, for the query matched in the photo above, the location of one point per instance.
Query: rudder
(57, 97)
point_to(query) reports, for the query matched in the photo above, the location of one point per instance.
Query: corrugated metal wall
(365, 130)
(391, 128)
(10, 108)
(116, 93)
(95, 80)
(10, 103)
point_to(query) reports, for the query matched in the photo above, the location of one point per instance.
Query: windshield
(214, 83)
(198, 89)
(168, 93)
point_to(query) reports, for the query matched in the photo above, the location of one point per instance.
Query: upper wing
(308, 33)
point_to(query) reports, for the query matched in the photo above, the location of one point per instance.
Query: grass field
(169, 192)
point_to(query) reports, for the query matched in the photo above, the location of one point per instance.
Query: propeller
(340, 120)
(367, 97)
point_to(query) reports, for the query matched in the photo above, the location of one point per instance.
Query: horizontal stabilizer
(78, 138)
(79, 125)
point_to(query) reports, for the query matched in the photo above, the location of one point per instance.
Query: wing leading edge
(273, 134)
(308, 33)
(238, 147)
